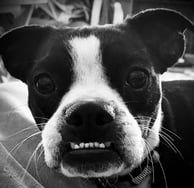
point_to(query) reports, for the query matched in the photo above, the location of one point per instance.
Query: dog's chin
(107, 170)
(101, 163)
(92, 170)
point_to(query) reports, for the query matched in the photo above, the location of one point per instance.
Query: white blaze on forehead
(90, 81)
(87, 60)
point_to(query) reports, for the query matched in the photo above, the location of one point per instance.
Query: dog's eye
(137, 79)
(44, 84)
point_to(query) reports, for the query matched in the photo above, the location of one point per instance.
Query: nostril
(74, 119)
(103, 118)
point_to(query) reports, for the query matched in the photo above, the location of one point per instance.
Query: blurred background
(14, 13)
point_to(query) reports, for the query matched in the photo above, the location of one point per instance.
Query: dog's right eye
(137, 79)
(44, 84)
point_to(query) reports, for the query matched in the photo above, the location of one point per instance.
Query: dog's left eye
(137, 79)
(44, 84)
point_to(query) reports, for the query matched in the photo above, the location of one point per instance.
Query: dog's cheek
(134, 147)
(132, 142)
(153, 138)
(51, 140)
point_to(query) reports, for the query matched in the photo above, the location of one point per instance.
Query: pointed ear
(162, 31)
(20, 48)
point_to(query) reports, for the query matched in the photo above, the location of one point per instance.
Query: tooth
(107, 144)
(72, 145)
(96, 144)
(76, 146)
(91, 144)
(87, 145)
(102, 145)
(81, 145)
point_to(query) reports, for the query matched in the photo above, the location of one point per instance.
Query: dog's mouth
(82, 148)
(90, 154)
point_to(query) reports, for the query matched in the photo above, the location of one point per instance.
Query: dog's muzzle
(89, 135)
(92, 138)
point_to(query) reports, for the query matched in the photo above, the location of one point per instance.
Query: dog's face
(97, 90)
(98, 124)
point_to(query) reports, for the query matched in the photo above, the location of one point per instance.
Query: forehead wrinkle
(87, 59)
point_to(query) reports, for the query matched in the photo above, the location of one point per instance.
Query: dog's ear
(20, 48)
(162, 31)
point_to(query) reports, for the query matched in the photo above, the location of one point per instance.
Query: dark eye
(44, 84)
(137, 79)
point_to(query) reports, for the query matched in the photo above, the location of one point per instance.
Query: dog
(98, 99)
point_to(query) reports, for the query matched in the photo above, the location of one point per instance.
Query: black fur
(152, 41)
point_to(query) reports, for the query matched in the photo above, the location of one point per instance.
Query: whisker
(172, 145)
(37, 159)
(18, 145)
(164, 175)
(171, 132)
(163, 172)
(40, 154)
(21, 131)
(166, 134)
(43, 118)
(161, 132)
(168, 143)
(30, 159)
(168, 140)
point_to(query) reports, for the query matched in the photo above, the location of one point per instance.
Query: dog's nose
(90, 113)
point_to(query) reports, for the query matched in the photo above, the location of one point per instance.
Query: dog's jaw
(91, 84)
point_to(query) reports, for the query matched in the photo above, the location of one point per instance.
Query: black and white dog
(108, 114)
